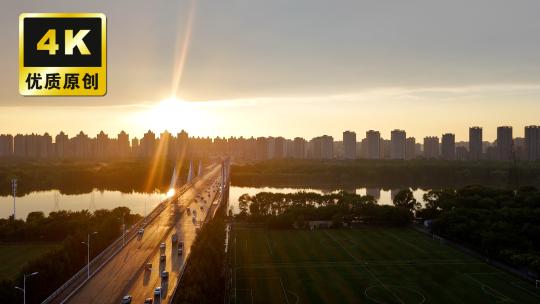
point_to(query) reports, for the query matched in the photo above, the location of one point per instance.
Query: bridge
(119, 270)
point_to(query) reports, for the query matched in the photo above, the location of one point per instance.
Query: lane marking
(284, 292)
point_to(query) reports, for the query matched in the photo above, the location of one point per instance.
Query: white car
(165, 274)
(157, 292)
(162, 246)
(141, 231)
(126, 299)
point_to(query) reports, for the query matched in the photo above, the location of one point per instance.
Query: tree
(35, 217)
(243, 202)
(405, 199)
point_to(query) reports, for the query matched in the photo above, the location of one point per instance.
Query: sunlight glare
(171, 193)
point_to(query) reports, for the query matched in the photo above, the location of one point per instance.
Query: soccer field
(372, 265)
(15, 255)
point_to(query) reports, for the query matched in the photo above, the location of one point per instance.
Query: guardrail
(71, 286)
(221, 199)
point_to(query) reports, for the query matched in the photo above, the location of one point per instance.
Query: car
(180, 251)
(157, 292)
(148, 301)
(126, 299)
(174, 238)
(141, 231)
(162, 246)
(148, 266)
(181, 244)
(164, 274)
(162, 257)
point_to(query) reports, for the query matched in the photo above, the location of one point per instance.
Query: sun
(173, 115)
(170, 193)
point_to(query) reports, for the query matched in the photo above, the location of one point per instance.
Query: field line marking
(269, 247)
(404, 241)
(365, 267)
(490, 291)
(283, 289)
(344, 249)
(517, 284)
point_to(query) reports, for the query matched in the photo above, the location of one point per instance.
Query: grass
(15, 255)
(372, 265)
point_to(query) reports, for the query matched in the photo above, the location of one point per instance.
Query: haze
(295, 68)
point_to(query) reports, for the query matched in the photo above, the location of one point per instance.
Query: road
(124, 274)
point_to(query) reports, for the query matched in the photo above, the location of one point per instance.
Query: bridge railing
(68, 289)
(223, 198)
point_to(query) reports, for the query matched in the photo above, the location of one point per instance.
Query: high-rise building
(373, 139)
(431, 147)
(262, 148)
(6, 145)
(349, 145)
(532, 142)
(61, 144)
(461, 153)
(299, 148)
(410, 148)
(322, 147)
(504, 143)
(82, 146)
(475, 143)
(280, 147)
(398, 140)
(182, 142)
(123, 144)
(102, 145)
(148, 144)
(448, 146)
(135, 147)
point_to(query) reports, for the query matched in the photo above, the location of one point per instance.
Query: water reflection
(53, 200)
(383, 196)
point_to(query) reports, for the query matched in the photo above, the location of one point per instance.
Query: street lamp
(14, 189)
(87, 243)
(23, 289)
(123, 230)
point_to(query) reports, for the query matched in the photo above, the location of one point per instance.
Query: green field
(14, 256)
(373, 265)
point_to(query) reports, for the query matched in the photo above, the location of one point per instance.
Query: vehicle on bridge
(157, 292)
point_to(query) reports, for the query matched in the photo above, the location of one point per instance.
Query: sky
(294, 68)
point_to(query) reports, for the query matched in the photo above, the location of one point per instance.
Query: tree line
(288, 210)
(421, 173)
(203, 280)
(57, 266)
(499, 223)
(76, 177)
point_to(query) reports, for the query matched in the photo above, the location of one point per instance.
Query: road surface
(124, 274)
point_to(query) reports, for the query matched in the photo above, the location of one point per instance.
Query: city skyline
(376, 66)
(506, 147)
